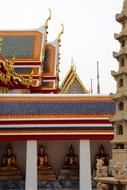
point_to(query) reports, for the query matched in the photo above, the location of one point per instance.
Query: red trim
(50, 78)
(56, 137)
(27, 63)
(44, 91)
(64, 82)
(62, 121)
(45, 78)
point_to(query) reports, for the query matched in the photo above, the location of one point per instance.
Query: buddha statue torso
(9, 159)
(102, 155)
(70, 169)
(8, 169)
(45, 171)
(42, 160)
(71, 159)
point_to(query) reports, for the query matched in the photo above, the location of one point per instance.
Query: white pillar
(85, 165)
(31, 166)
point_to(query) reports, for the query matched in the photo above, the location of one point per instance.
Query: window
(123, 43)
(121, 83)
(122, 62)
(121, 106)
(119, 130)
(120, 146)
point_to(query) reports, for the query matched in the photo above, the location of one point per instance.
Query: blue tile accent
(37, 108)
(22, 69)
(56, 128)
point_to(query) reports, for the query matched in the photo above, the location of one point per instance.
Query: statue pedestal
(72, 174)
(9, 173)
(112, 182)
(46, 174)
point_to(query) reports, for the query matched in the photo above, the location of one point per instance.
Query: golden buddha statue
(45, 171)
(9, 170)
(9, 159)
(71, 159)
(70, 169)
(42, 158)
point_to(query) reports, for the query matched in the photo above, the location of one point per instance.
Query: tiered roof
(34, 56)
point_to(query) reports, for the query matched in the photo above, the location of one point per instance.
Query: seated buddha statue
(71, 159)
(42, 158)
(8, 169)
(45, 171)
(70, 169)
(9, 159)
(102, 155)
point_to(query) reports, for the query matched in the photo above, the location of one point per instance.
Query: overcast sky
(89, 33)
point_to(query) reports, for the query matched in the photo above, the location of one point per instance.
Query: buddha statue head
(71, 150)
(41, 150)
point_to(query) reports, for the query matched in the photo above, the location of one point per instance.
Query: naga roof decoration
(71, 116)
(8, 78)
(72, 83)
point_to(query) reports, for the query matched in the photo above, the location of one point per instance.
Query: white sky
(89, 32)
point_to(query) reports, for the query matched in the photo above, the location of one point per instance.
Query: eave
(57, 122)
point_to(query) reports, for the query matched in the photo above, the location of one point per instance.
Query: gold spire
(73, 65)
(98, 82)
(49, 18)
(91, 89)
(61, 32)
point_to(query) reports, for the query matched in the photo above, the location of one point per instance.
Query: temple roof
(56, 115)
(50, 107)
(33, 56)
(25, 45)
(72, 83)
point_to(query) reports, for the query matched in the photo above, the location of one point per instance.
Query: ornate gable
(72, 83)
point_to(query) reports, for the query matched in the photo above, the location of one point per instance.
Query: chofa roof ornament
(61, 32)
(49, 18)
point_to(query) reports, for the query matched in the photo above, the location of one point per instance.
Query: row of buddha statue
(10, 171)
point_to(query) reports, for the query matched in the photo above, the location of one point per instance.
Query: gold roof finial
(73, 65)
(49, 18)
(61, 32)
(98, 79)
(91, 89)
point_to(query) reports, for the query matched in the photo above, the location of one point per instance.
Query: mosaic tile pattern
(46, 60)
(38, 108)
(20, 46)
(22, 70)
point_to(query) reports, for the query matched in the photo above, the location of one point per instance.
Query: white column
(85, 165)
(31, 166)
